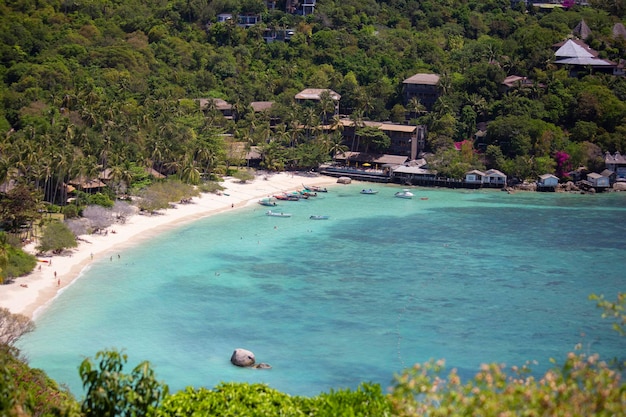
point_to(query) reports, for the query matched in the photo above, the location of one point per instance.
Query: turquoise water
(469, 276)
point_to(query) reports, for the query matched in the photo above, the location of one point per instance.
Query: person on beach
(59, 282)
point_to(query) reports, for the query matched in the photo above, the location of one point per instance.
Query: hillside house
(300, 7)
(617, 164)
(425, 87)
(577, 56)
(314, 95)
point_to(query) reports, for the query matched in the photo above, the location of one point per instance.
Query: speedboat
(405, 193)
(368, 191)
(277, 214)
(316, 217)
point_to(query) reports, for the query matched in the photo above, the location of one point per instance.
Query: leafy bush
(18, 263)
(244, 175)
(210, 187)
(582, 386)
(100, 200)
(26, 391)
(70, 211)
(160, 195)
(242, 399)
(110, 392)
(56, 237)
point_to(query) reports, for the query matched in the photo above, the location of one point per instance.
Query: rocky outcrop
(619, 186)
(242, 357)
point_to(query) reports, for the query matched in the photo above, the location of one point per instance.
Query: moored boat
(268, 201)
(277, 214)
(368, 191)
(317, 217)
(315, 188)
(405, 193)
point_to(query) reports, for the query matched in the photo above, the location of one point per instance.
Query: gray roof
(619, 30)
(575, 49)
(614, 159)
(428, 79)
(582, 30)
(258, 106)
(594, 62)
(315, 93)
(403, 169)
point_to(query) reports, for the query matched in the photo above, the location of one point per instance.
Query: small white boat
(369, 191)
(269, 201)
(405, 193)
(277, 214)
(315, 217)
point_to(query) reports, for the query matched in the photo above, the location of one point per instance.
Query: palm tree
(357, 122)
(327, 105)
(336, 146)
(416, 107)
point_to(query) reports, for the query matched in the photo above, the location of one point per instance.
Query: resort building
(424, 87)
(578, 57)
(407, 140)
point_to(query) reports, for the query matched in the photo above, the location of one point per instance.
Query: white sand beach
(30, 294)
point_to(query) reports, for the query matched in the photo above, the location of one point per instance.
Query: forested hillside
(96, 84)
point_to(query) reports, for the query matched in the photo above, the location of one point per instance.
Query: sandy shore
(30, 294)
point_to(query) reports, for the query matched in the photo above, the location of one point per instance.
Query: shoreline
(31, 294)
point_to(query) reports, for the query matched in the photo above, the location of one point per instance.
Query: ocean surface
(468, 276)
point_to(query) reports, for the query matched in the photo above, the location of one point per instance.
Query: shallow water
(469, 276)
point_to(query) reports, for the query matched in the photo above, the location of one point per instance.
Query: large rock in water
(242, 357)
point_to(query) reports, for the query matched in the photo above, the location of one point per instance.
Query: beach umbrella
(367, 164)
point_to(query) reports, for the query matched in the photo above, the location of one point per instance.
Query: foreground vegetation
(581, 386)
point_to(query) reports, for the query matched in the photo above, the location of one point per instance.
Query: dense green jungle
(94, 85)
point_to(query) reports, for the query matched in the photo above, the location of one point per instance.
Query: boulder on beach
(619, 186)
(242, 357)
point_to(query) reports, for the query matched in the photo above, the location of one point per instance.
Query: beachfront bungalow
(598, 181)
(414, 175)
(494, 178)
(474, 177)
(547, 182)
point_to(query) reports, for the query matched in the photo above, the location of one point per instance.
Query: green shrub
(100, 199)
(242, 399)
(70, 211)
(18, 263)
(56, 237)
(210, 187)
(27, 391)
